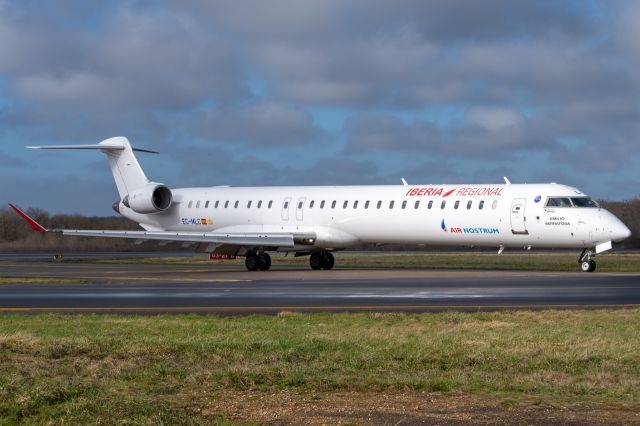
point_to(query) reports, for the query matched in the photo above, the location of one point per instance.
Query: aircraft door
(285, 208)
(300, 208)
(518, 218)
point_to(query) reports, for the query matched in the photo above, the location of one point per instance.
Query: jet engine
(151, 198)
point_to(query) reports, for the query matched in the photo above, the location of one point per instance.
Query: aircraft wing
(240, 239)
(280, 240)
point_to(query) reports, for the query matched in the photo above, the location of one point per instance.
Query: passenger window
(190, 204)
(216, 204)
(311, 204)
(299, 205)
(206, 205)
(417, 204)
(226, 204)
(286, 205)
(494, 205)
(249, 204)
(404, 204)
(379, 204)
(430, 204)
(355, 204)
(344, 205)
(444, 204)
(481, 205)
(333, 204)
(235, 205)
(270, 204)
(366, 204)
(322, 204)
(259, 203)
(391, 203)
(469, 203)
(456, 205)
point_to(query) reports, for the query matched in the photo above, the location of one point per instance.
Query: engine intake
(152, 198)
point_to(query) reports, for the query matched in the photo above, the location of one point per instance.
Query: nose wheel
(586, 261)
(588, 266)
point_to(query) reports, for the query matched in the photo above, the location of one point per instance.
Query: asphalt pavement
(120, 288)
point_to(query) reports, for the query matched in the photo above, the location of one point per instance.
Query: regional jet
(317, 220)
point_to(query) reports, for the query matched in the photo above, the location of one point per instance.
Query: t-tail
(134, 188)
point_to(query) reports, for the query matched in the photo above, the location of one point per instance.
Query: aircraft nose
(620, 232)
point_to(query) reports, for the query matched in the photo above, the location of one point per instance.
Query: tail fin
(125, 167)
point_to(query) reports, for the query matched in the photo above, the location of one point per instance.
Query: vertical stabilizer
(125, 167)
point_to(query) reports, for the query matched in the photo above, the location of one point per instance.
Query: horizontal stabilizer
(105, 147)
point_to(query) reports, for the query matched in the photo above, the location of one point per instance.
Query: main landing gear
(586, 261)
(255, 261)
(321, 260)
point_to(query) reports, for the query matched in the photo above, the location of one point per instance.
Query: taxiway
(123, 288)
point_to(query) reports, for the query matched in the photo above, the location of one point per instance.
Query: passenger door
(518, 218)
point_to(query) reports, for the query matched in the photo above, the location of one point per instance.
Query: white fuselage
(341, 216)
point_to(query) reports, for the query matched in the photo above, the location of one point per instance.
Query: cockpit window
(571, 202)
(583, 202)
(559, 202)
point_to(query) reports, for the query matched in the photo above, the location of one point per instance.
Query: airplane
(250, 222)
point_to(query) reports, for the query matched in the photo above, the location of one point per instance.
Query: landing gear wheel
(264, 262)
(584, 266)
(251, 261)
(321, 260)
(588, 266)
(327, 260)
(315, 261)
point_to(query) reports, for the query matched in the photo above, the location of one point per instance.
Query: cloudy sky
(319, 92)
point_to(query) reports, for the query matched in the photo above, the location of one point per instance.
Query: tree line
(16, 235)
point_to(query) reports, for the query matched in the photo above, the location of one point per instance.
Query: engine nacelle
(152, 198)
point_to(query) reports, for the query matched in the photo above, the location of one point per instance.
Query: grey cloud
(436, 19)
(529, 74)
(487, 130)
(403, 53)
(355, 72)
(389, 132)
(265, 124)
(221, 166)
(142, 60)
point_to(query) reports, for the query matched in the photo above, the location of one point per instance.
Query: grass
(164, 369)
(611, 262)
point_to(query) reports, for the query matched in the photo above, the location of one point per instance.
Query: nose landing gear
(586, 261)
